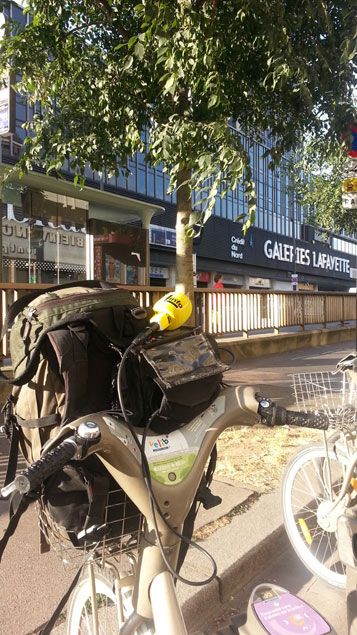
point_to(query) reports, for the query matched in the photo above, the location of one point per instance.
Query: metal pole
(294, 280)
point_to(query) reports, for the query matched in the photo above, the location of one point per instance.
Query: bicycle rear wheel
(112, 605)
(312, 479)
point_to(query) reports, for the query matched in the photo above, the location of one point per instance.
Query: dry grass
(256, 457)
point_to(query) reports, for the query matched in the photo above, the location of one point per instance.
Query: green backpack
(65, 345)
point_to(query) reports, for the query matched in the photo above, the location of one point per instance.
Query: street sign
(349, 185)
(349, 200)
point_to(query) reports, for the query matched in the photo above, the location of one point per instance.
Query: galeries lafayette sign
(265, 249)
(283, 252)
(224, 240)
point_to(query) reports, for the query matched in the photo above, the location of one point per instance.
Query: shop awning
(112, 206)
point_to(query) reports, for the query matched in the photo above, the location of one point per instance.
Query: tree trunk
(184, 264)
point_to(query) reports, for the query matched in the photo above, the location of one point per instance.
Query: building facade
(121, 229)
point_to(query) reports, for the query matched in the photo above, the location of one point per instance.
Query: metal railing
(234, 312)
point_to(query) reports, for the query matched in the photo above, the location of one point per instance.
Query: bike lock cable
(182, 537)
(147, 479)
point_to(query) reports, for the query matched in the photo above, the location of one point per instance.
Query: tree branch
(109, 11)
(106, 6)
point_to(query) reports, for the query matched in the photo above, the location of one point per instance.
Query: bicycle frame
(177, 462)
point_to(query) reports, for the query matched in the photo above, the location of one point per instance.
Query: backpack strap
(71, 347)
(208, 500)
(11, 430)
(41, 422)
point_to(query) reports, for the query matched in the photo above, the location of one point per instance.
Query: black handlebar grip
(318, 420)
(35, 474)
(273, 415)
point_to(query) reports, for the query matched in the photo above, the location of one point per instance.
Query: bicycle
(313, 481)
(127, 583)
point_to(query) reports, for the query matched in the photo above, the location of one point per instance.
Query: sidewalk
(249, 533)
(247, 527)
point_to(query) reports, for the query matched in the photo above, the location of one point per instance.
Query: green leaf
(128, 63)
(213, 101)
(139, 50)
(170, 84)
(132, 41)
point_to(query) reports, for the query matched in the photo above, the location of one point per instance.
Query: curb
(259, 345)
(241, 549)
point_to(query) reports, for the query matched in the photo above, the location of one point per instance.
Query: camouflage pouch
(176, 376)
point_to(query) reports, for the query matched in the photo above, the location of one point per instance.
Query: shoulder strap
(12, 433)
(71, 347)
(32, 365)
(13, 455)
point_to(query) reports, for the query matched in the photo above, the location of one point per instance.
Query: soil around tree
(256, 457)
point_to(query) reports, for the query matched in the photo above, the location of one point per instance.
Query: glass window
(132, 176)
(122, 180)
(20, 132)
(44, 237)
(18, 16)
(141, 180)
(159, 185)
(151, 182)
(166, 187)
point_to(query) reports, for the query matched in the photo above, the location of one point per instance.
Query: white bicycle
(126, 584)
(320, 482)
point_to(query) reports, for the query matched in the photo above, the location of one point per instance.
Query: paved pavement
(250, 536)
(288, 572)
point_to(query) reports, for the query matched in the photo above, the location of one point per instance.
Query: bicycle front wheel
(312, 480)
(111, 607)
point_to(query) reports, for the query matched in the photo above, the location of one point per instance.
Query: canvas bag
(176, 375)
(65, 345)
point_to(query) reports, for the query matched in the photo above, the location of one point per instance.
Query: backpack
(66, 344)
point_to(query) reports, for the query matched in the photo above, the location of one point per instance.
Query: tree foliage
(317, 176)
(104, 69)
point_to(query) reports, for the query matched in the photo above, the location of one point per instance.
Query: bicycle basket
(121, 535)
(334, 394)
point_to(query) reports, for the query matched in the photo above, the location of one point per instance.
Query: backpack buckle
(208, 499)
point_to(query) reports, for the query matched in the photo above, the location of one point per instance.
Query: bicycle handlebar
(36, 473)
(273, 415)
(32, 477)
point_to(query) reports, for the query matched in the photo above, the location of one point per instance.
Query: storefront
(259, 259)
(268, 260)
(71, 234)
(53, 232)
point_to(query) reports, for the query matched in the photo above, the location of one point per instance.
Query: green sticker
(172, 470)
